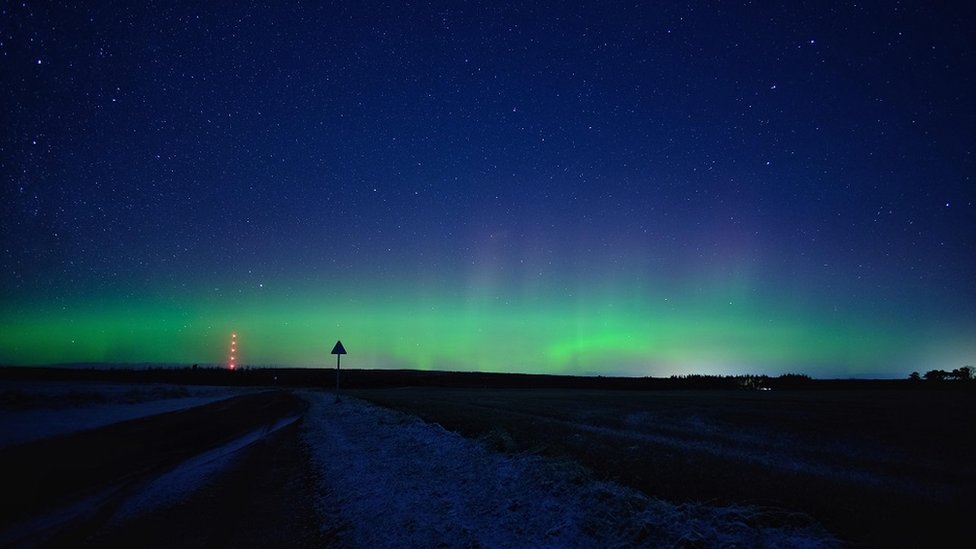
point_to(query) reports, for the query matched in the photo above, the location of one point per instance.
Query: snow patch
(92, 405)
(390, 479)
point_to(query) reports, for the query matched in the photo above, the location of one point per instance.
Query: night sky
(640, 189)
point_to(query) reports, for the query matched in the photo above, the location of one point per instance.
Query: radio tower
(233, 352)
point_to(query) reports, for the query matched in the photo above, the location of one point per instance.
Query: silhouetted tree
(936, 375)
(914, 376)
(962, 374)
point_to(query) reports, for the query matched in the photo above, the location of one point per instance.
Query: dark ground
(879, 463)
(877, 468)
(374, 379)
(264, 499)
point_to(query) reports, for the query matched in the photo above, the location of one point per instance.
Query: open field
(884, 464)
(877, 467)
(296, 468)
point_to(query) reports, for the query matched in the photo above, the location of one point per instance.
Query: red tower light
(231, 364)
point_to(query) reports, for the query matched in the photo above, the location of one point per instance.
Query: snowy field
(382, 478)
(32, 411)
(390, 479)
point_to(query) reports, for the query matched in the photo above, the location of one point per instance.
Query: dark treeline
(365, 379)
(966, 373)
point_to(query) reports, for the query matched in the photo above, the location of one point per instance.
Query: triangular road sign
(338, 349)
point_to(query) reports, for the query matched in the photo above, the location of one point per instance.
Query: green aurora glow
(608, 188)
(584, 334)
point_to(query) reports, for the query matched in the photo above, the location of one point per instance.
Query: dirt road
(67, 490)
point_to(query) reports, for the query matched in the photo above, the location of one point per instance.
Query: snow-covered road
(101, 404)
(64, 489)
(389, 479)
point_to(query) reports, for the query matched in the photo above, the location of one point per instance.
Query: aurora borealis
(522, 187)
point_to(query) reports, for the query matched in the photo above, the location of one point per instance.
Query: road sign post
(338, 350)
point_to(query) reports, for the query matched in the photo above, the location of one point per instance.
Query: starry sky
(649, 188)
